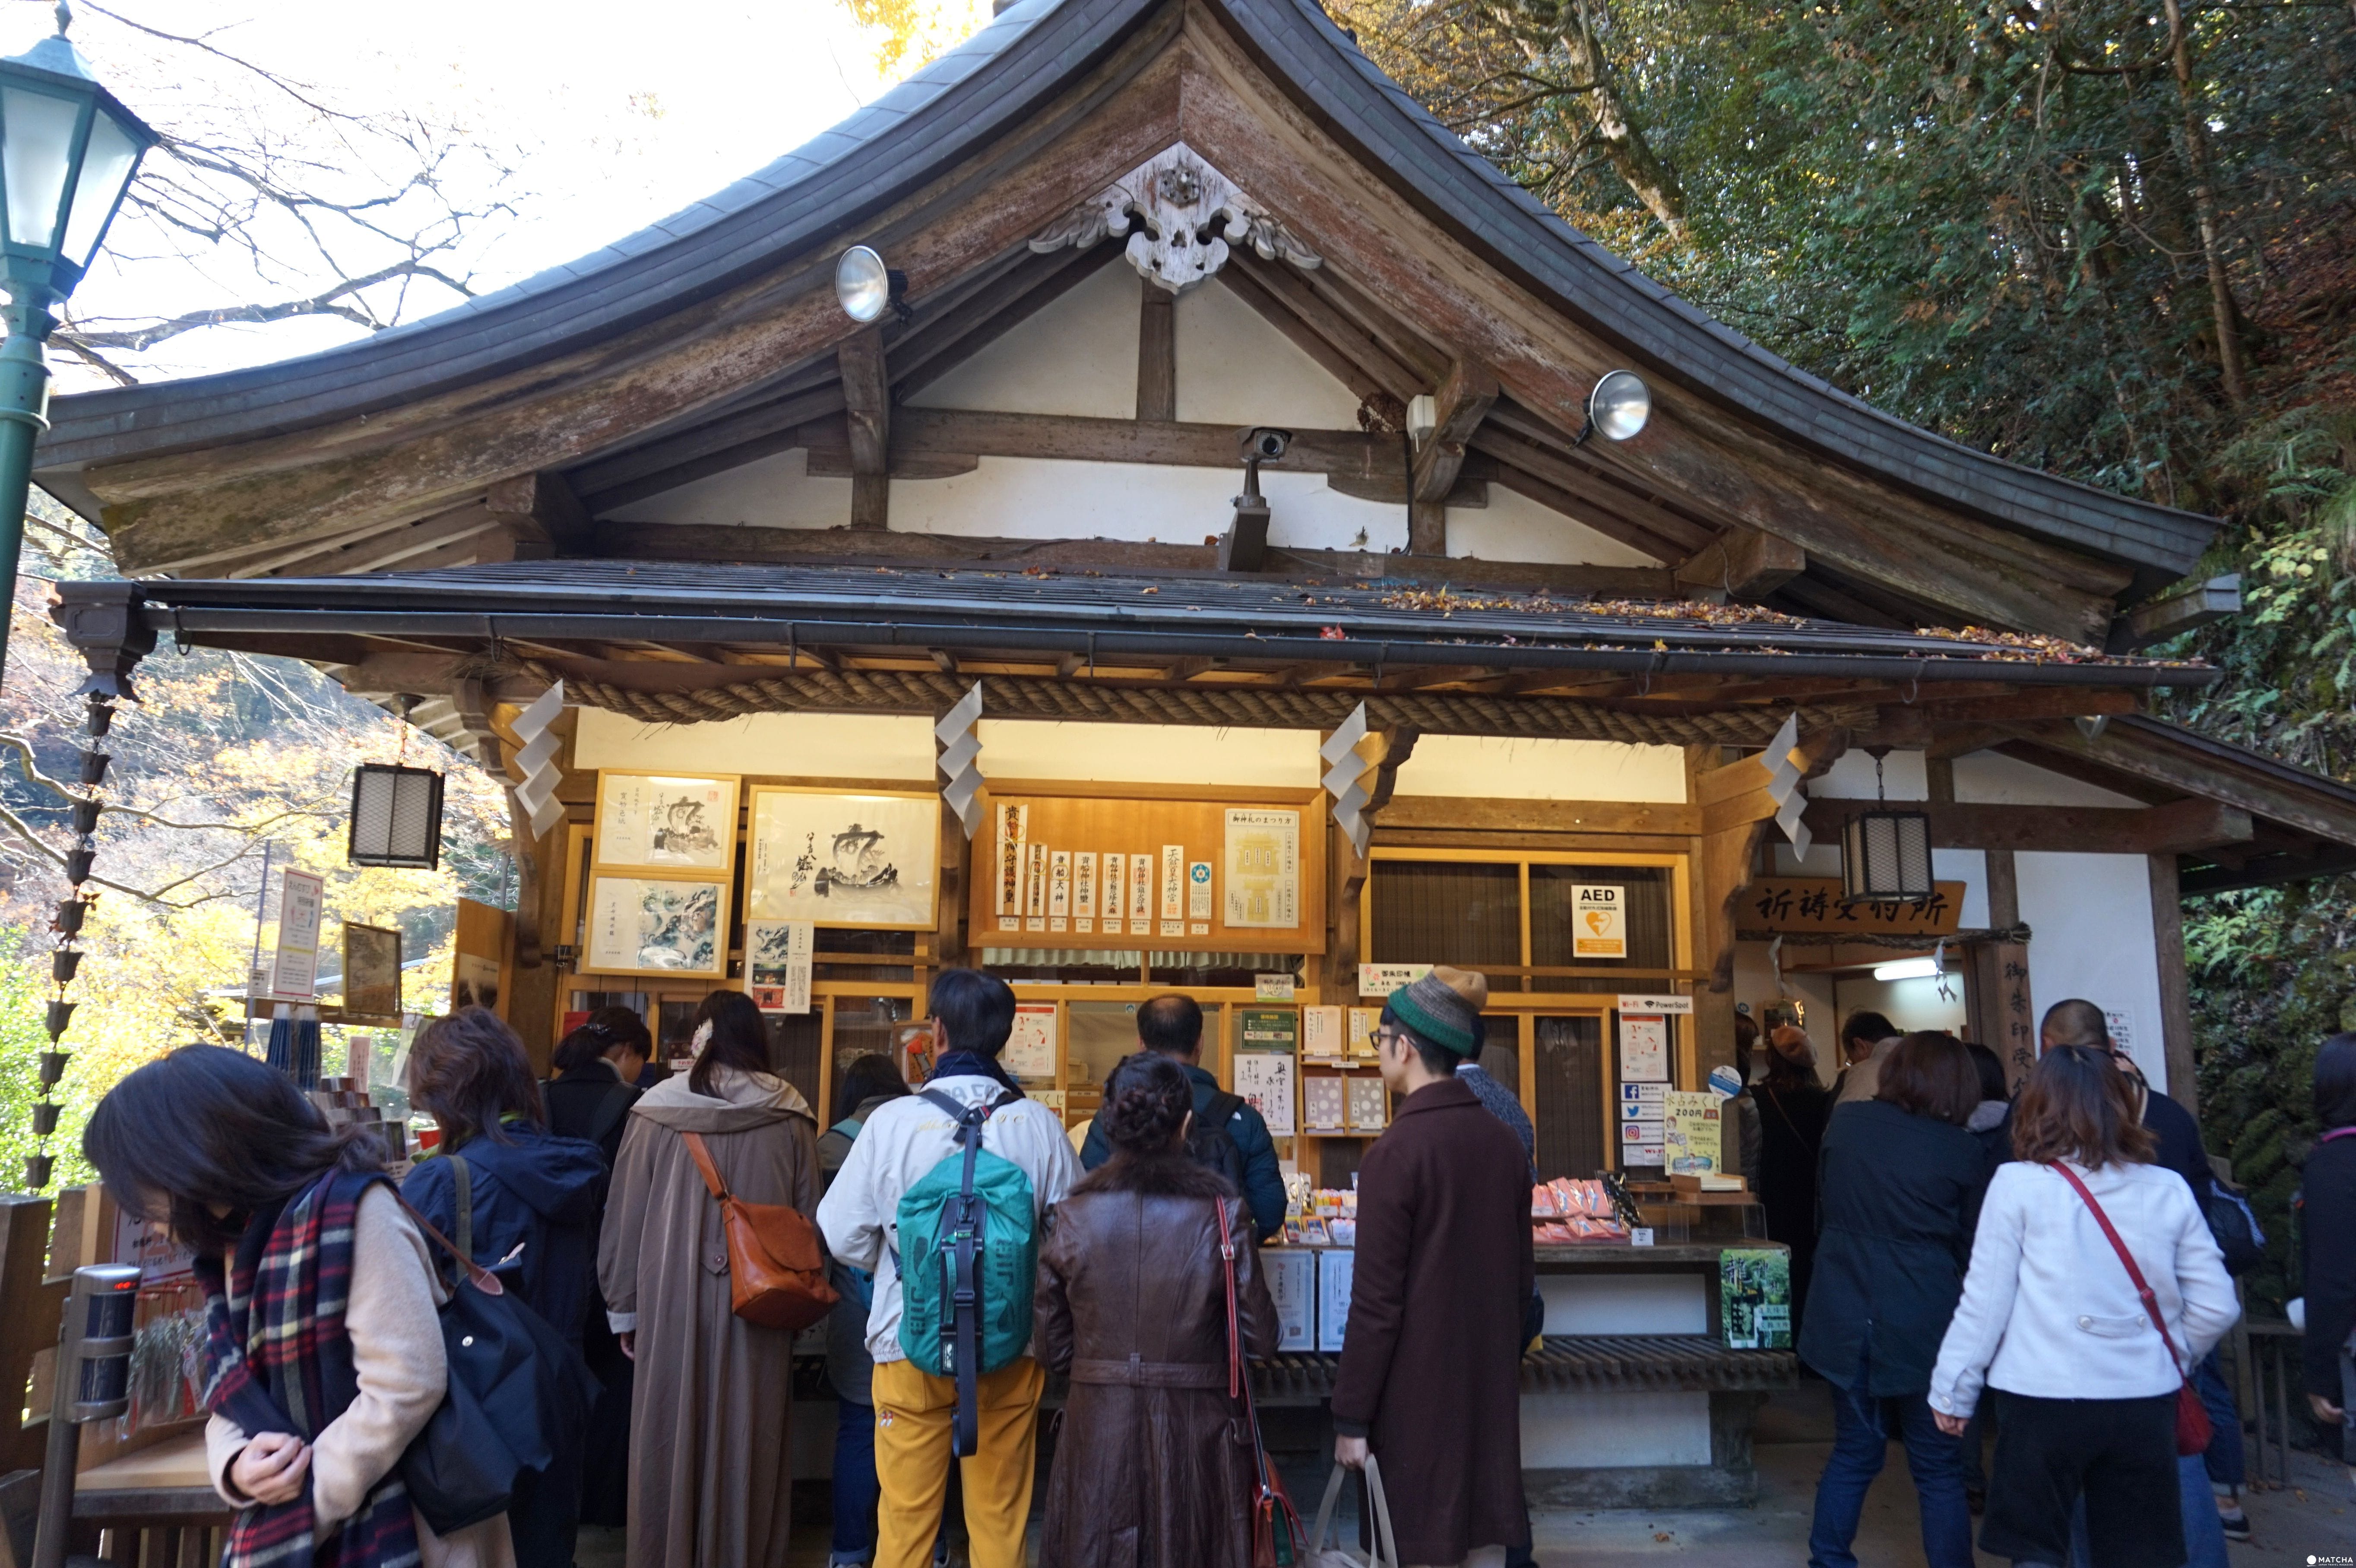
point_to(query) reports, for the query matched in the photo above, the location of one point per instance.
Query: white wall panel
(1505, 768)
(1613, 1431)
(1991, 778)
(1075, 354)
(1512, 526)
(2090, 916)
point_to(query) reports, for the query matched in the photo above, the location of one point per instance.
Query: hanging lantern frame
(1885, 857)
(386, 797)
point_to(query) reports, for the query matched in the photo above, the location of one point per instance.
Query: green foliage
(24, 995)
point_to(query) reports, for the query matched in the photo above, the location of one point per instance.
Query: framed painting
(650, 926)
(833, 858)
(665, 822)
(371, 974)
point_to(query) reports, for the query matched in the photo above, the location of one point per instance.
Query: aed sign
(1599, 922)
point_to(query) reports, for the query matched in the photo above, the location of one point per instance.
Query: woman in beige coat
(324, 1357)
(711, 1470)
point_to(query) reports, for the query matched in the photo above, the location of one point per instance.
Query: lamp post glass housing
(69, 149)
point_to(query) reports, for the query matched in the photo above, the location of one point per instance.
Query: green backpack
(970, 1263)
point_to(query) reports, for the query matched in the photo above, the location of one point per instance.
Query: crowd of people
(2047, 1263)
(2040, 1264)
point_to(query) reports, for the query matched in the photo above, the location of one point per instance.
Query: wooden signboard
(1088, 866)
(1811, 906)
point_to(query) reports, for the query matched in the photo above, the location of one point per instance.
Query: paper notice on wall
(1382, 979)
(1059, 884)
(1173, 881)
(2121, 1025)
(1272, 987)
(1335, 1268)
(1321, 1034)
(1599, 922)
(1643, 1049)
(1263, 855)
(302, 906)
(1030, 1053)
(1014, 834)
(1292, 1275)
(778, 964)
(1691, 1133)
(1198, 893)
(1140, 892)
(1084, 885)
(1264, 1081)
(1675, 1007)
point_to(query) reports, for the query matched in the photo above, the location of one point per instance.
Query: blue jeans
(1861, 1444)
(2204, 1532)
(855, 1487)
(2224, 1459)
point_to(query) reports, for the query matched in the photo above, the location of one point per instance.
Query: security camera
(1266, 444)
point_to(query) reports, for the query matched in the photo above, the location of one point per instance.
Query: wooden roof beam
(1742, 564)
(1461, 403)
(867, 407)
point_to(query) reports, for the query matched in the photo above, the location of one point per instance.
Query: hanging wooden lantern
(396, 817)
(1885, 857)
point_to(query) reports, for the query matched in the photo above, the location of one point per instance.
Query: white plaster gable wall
(2091, 936)
(1512, 526)
(1507, 768)
(1075, 355)
(1054, 498)
(1991, 778)
(1234, 369)
(1851, 778)
(772, 492)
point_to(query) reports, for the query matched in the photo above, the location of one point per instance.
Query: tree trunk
(2224, 312)
(1632, 157)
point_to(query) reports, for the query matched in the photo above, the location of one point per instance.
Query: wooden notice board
(1222, 870)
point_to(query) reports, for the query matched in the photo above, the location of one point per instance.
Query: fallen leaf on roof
(1333, 633)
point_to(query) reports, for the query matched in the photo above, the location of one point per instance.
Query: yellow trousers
(913, 1438)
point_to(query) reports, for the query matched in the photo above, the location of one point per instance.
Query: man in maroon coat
(1431, 1377)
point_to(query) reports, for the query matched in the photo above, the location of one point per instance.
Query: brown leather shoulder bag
(777, 1266)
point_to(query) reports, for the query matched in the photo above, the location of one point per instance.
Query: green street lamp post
(68, 152)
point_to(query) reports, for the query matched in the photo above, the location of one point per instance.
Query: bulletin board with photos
(1067, 866)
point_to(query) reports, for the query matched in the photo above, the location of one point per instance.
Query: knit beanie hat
(1443, 1008)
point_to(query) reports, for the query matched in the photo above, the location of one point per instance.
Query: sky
(605, 116)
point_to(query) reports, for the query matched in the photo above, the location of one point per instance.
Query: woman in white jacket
(2051, 1317)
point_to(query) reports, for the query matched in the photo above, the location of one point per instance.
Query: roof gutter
(1095, 645)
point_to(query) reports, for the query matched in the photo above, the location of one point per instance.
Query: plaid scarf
(277, 1359)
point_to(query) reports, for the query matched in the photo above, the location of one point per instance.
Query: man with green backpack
(942, 1197)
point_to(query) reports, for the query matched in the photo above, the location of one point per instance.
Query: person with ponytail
(710, 1476)
(1132, 1307)
(323, 1353)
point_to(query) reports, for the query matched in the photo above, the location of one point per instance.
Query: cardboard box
(1335, 1268)
(1292, 1284)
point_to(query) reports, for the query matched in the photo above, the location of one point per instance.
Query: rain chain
(66, 959)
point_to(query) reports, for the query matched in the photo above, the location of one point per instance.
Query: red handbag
(2192, 1429)
(1277, 1541)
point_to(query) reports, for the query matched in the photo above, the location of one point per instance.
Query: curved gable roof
(989, 85)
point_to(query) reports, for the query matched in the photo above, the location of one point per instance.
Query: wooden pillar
(1427, 528)
(2007, 1009)
(1157, 353)
(2175, 985)
(31, 1310)
(867, 414)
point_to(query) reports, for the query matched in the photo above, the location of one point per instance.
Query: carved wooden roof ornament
(1187, 213)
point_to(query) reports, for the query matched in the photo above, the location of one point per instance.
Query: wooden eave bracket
(1742, 564)
(1464, 400)
(2178, 610)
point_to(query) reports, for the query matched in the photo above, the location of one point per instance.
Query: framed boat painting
(869, 859)
(666, 823)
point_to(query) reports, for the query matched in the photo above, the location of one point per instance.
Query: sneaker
(2237, 1525)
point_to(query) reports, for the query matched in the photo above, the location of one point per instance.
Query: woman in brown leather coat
(1152, 1468)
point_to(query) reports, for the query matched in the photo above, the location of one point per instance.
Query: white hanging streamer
(960, 759)
(537, 794)
(1784, 784)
